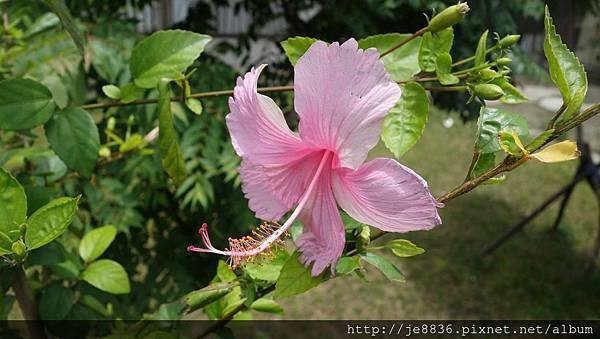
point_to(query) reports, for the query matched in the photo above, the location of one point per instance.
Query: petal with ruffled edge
(342, 94)
(387, 195)
(272, 190)
(276, 164)
(257, 127)
(323, 239)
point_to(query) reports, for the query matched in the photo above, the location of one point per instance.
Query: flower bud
(104, 152)
(19, 248)
(488, 74)
(488, 91)
(508, 40)
(448, 17)
(503, 61)
(110, 125)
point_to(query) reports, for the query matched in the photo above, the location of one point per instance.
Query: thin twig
(404, 42)
(179, 98)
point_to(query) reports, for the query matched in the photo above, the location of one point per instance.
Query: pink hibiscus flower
(341, 94)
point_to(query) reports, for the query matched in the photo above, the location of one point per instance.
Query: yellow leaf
(519, 143)
(562, 151)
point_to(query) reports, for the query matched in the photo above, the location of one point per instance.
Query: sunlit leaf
(481, 51)
(266, 305)
(108, 276)
(13, 206)
(96, 241)
(112, 91)
(387, 268)
(295, 278)
(565, 70)
(347, 265)
(404, 124)
(49, 222)
(433, 45)
(295, 47)
(494, 120)
(402, 63)
(404, 248)
(512, 95)
(443, 70)
(540, 140)
(165, 54)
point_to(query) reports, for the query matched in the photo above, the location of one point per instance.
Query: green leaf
(511, 94)
(24, 104)
(135, 140)
(209, 294)
(68, 269)
(108, 276)
(266, 305)
(95, 242)
(494, 120)
(295, 278)
(130, 92)
(483, 163)
(74, 136)
(540, 140)
(481, 49)
(194, 105)
(170, 311)
(565, 70)
(49, 222)
(443, 70)
(170, 153)
(5, 244)
(56, 302)
(165, 54)
(433, 45)
(295, 47)
(387, 268)
(13, 205)
(59, 7)
(404, 124)
(347, 265)
(402, 63)
(112, 91)
(404, 248)
(508, 144)
(267, 270)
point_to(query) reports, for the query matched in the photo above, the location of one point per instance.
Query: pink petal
(276, 164)
(322, 242)
(342, 94)
(258, 129)
(272, 190)
(384, 194)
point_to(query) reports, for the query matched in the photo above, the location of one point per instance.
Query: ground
(536, 275)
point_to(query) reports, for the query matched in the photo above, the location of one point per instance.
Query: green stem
(475, 68)
(404, 42)
(471, 58)
(194, 95)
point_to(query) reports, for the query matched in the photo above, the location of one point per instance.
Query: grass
(536, 275)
